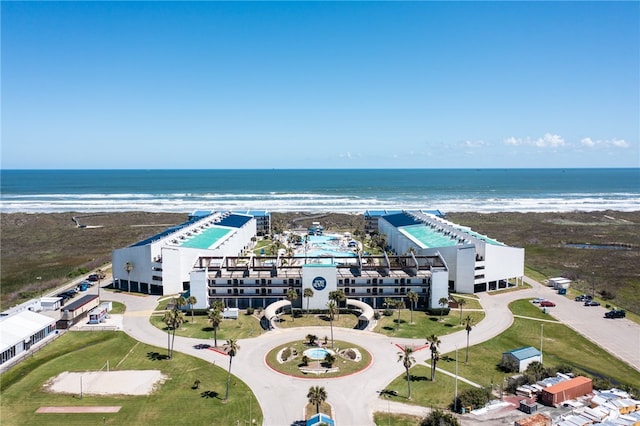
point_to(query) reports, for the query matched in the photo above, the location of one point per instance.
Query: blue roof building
(320, 419)
(519, 359)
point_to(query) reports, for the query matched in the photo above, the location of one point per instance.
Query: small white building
(519, 359)
(21, 331)
(50, 303)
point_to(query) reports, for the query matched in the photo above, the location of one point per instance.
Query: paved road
(355, 398)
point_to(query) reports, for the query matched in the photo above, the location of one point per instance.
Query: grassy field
(175, 402)
(561, 346)
(383, 419)
(544, 237)
(200, 328)
(423, 324)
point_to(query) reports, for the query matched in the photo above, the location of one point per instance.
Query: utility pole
(593, 285)
(455, 398)
(541, 330)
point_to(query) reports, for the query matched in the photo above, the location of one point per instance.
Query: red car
(547, 303)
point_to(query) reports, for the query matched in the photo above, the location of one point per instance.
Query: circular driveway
(354, 398)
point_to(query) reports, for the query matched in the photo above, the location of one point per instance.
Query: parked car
(538, 300)
(93, 277)
(591, 303)
(583, 298)
(547, 303)
(615, 313)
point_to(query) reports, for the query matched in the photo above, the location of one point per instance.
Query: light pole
(593, 285)
(39, 279)
(455, 398)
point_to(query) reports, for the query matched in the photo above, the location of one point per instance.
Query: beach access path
(355, 398)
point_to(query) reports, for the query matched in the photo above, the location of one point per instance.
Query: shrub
(439, 418)
(388, 312)
(376, 316)
(473, 397)
(286, 354)
(250, 311)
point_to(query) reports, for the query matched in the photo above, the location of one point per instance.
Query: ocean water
(339, 190)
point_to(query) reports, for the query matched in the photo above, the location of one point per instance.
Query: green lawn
(384, 419)
(423, 324)
(173, 403)
(424, 392)
(117, 307)
(346, 320)
(560, 345)
(200, 328)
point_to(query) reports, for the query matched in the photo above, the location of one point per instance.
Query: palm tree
(442, 302)
(329, 359)
(180, 302)
(192, 301)
(317, 395)
(308, 293)
(168, 320)
(461, 303)
(412, 297)
(468, 322)
(128, 267)
(398, 304)
(173, 319)
(231, 348)
(292, 296)
(337, 296)
(215, 317)
(312, 339)
(434, 342)
(407, 360)
(331, 305)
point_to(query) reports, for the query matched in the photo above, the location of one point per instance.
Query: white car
(538, 300)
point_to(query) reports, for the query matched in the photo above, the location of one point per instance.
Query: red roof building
(563, 391)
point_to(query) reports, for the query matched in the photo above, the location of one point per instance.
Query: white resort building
(210, 257)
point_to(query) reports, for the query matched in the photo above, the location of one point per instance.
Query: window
(228, 291)
(258, 291)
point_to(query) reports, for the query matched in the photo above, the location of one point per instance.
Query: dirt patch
(121, 382)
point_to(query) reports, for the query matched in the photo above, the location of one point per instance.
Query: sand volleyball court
(120, 382)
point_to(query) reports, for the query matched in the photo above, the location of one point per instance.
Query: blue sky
(320, 84)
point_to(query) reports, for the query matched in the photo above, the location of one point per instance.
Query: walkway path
(355, 398)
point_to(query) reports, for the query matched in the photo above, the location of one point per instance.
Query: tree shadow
(209, 329)
(448, 325)
(447, 358)
(388, 328)
(395, 321)
(418, 378)
(209, 394)
(156, 356)
(433, 319)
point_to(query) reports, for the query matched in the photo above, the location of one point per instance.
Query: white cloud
(587, 142)
(616, 143)
(474, 144)
(548, 140)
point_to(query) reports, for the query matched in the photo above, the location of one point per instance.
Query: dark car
(93, 277)
(583, 298)
(591, 303)
(547, 303)
(616, 313)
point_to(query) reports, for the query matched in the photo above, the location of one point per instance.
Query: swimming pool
(317, 353)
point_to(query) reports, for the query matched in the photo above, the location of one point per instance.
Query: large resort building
(211, 257)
